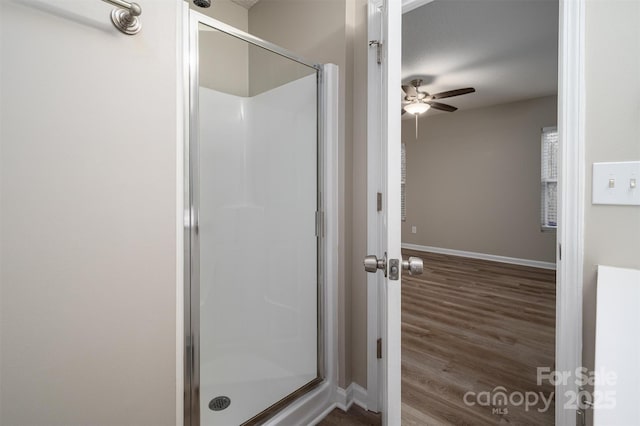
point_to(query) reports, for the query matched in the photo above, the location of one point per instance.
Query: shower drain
(219, 403)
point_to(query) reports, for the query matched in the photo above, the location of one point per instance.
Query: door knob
(372, 263)
(414, 265)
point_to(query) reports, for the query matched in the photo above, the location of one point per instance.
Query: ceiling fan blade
(403, 112)
(442, 107)
(452, 93)
(409, 90)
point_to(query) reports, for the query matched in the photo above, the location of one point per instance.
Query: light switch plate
(616, 183)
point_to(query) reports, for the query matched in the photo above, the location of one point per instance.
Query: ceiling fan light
(416, 108)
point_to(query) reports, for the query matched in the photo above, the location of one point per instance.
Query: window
(403, 178)
(549, 169)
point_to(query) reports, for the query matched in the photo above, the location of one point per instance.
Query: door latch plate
(394, 269)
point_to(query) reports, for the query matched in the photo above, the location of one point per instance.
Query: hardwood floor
(356, 416)
(470, 326)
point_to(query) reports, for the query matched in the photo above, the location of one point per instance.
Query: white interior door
(385, 21)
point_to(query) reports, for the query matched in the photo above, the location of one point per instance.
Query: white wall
(258, 297)
(88, 191)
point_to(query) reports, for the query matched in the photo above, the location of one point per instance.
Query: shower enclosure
(254, 238)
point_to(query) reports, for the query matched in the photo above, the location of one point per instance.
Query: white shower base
(245, 383)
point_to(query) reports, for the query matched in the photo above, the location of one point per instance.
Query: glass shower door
(254, 252)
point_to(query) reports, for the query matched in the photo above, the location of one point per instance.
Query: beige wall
(268, 70)
(226, 11)
(88, 220)
(359, 195)
(473, 180)
(612, 233)
(224, 60)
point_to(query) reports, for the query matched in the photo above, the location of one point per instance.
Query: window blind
(549, 178)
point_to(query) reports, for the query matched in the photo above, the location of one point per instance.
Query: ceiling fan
(417, 102)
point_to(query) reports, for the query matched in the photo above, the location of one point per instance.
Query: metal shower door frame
(191, 220)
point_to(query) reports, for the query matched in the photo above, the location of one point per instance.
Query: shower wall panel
(258, 249)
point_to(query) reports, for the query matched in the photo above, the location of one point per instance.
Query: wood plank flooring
(356, 416)
(470, 326)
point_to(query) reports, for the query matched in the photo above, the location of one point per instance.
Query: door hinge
(320, 224)
(586, 402)
(559, 251)
(378, 45)
(379, 201)
(379, 349)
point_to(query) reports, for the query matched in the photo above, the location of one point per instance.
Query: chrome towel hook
(125, 16)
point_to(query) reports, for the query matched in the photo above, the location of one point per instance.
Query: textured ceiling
(506, 49)
(247, 4)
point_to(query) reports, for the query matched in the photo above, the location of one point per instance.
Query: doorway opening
(479, 206)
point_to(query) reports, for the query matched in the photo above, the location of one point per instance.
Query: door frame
(374, 221)
(383, 209)
(570, 233)
(315, 403)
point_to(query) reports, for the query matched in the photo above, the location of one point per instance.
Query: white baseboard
(309, 409)
(483, 256)
(360, 396)
(354, 394)
(344, 399)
